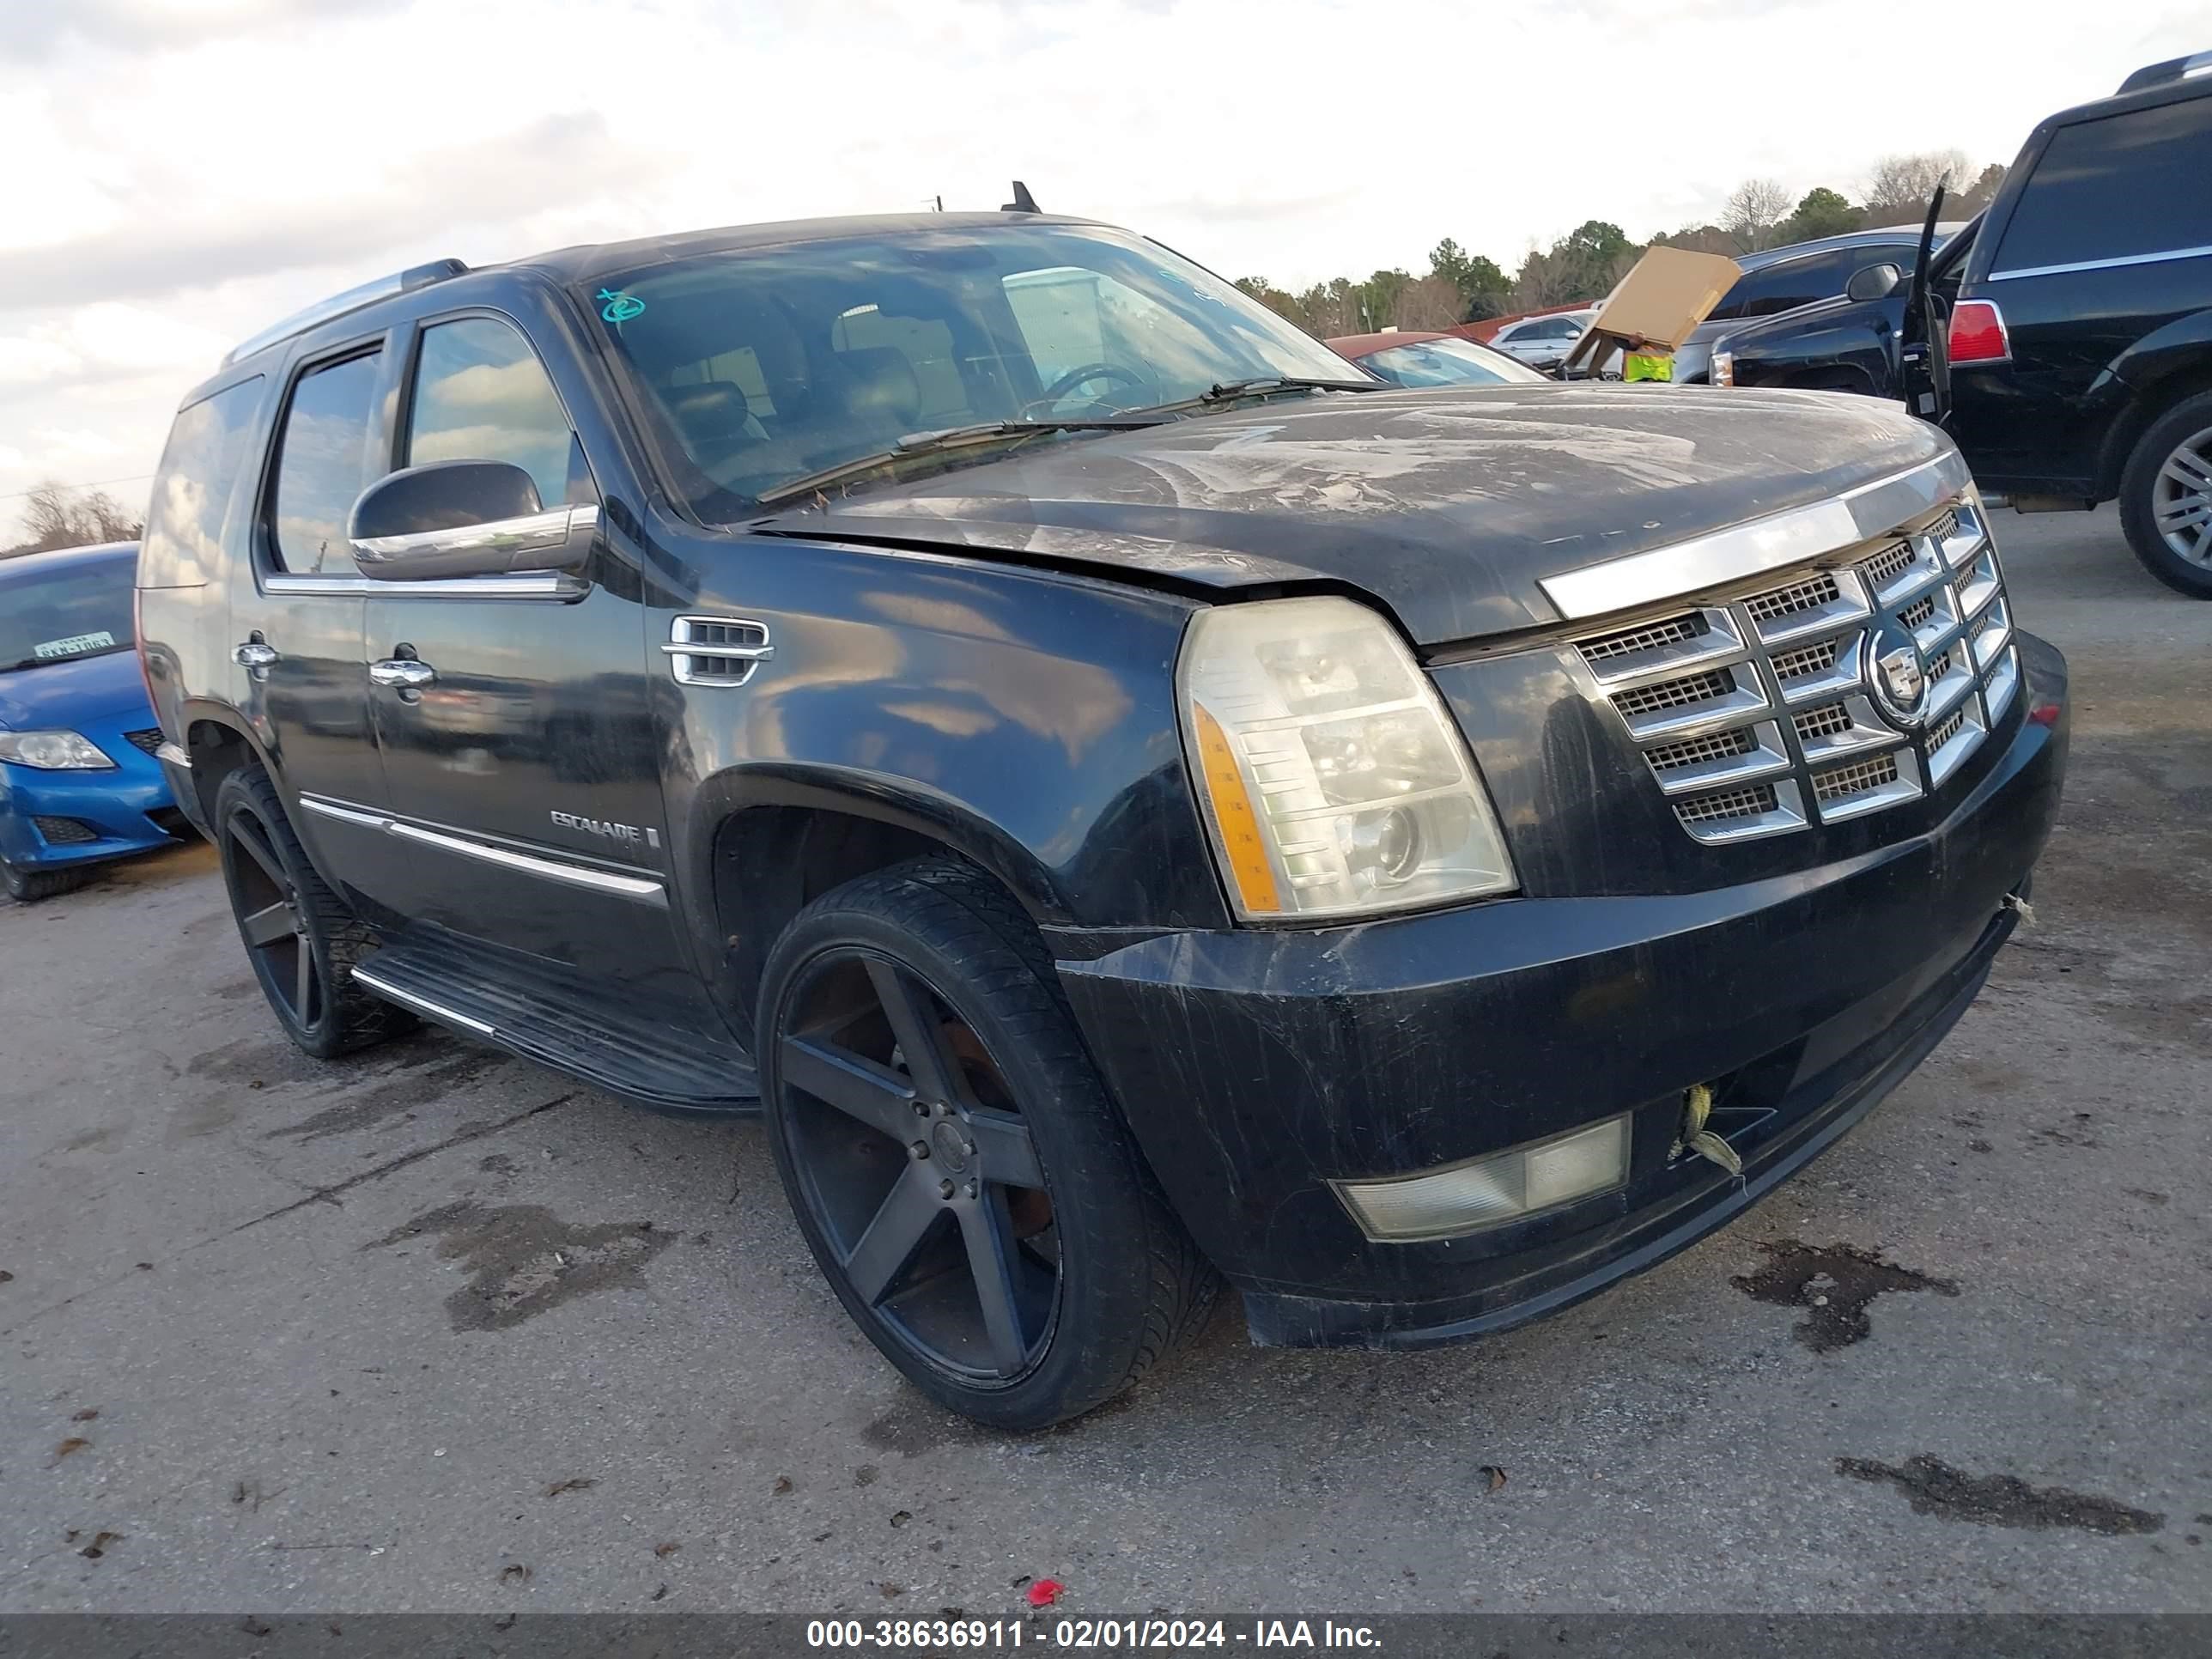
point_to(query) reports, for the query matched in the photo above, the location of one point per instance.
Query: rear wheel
(29, 886)
(300, 937)
(952, 1157)
(2166, 497)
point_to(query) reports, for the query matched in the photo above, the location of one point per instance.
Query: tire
(29, 886)
(922, 1001)
(2166, 497)
(300, 938)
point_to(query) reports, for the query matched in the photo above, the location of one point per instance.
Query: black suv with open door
(2077, 313)
(1133, 800)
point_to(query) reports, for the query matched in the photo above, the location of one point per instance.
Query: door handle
(405, 673)
(254, 654)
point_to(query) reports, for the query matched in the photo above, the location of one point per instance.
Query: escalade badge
(1896, 674)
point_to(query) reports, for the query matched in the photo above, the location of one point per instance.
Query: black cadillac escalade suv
(1134, 800)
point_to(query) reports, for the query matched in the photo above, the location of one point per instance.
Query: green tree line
(1582, 266)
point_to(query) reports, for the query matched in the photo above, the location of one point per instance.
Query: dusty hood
(1449, 507)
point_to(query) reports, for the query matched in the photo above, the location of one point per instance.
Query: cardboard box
(1670, 293)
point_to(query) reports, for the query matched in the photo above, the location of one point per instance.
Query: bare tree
(56, 516)
(1432, 302)
(1755, 207)
(1899, 187)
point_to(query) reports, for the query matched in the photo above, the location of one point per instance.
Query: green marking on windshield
(620, 308)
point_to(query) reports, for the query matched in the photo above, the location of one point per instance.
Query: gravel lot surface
(433, 1328)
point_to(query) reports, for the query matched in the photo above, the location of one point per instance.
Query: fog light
(1485, 1192)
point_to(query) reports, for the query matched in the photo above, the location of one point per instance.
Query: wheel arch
(766, 842)
(2166, 367)
(219, 741)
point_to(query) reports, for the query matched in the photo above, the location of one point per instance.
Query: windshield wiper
(983, 434)
(1228, 391)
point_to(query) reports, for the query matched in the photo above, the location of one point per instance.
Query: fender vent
(716, 650)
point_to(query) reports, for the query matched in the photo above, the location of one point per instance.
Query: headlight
(52, 752)
(1722, 370)
(1331, 780)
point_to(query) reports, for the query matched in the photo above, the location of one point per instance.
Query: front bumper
(89, 816)
(1256, 1065)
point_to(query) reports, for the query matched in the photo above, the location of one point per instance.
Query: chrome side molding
(643, 888)
(523, 584)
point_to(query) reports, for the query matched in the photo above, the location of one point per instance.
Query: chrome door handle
(254, 654)
(405, 672)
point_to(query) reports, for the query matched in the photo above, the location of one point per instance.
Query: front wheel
(302, 937)
(2166, 497)
(29, 886)
(953, 1158)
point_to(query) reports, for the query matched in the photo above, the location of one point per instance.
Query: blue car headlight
(53, 751)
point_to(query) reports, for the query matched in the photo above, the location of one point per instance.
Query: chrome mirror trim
(559, 536)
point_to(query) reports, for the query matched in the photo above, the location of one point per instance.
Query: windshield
(1446, 363)
(79, 610)
(757, 367)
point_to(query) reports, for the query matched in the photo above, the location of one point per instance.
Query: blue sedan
(79, 784)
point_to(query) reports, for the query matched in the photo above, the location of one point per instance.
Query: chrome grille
(1782, 602)
(1815, 659)
(1725, 745)
(1675, 694)
(1827, 720)
(1651, 637)
(1888, 564)
(1727, 804)
(1752, 704)
(1839, 782)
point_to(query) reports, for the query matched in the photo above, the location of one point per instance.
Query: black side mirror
(1874, 281)
(456, 518)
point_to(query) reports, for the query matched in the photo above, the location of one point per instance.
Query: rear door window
(1790, 283)
(482, 395)
(193, 486)
(329, 453)
(2115, 188)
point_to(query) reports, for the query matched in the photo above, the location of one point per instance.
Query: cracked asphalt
(433, 1328)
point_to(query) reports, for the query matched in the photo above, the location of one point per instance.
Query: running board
(535, 1010)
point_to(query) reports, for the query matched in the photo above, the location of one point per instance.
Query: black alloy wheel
(300, 938)
(952, 1157)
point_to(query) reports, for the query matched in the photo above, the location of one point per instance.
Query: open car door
(1924, 355)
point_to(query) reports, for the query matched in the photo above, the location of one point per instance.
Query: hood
(64, 695)
(1446, 506)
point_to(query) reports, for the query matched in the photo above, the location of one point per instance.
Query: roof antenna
(1023, 201)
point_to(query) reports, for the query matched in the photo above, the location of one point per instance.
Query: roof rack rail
(338, 304)
(2174, 68)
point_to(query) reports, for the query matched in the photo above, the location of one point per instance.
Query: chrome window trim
(1778, 540)
(645, 890)
(438, 1011)
(2114, 263)
(523, 584)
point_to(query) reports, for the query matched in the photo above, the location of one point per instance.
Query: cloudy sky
(181, 171)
